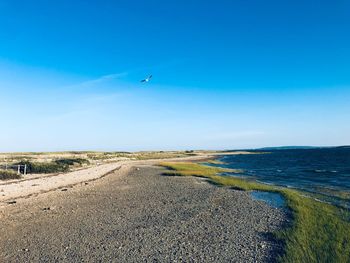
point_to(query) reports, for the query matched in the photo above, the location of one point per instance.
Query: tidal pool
(273, 199)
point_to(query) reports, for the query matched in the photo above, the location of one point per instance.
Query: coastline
(299, 233)
(138, 213)
(316, 228)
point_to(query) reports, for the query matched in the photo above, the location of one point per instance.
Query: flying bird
(147, 79)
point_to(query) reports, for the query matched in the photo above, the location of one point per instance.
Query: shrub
(72, 161)
(8, 175)
(60, 165)
(42, 168)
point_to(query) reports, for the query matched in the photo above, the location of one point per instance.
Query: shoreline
(138, 213)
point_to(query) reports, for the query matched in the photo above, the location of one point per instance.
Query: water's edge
(275, 200)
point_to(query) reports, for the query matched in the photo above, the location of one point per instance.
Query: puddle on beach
(273, 199)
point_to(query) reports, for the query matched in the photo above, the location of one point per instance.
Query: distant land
(300, 147)
(290, 147)
(275, 148)
(345, 146)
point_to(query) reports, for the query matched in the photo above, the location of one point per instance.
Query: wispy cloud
(99, 80)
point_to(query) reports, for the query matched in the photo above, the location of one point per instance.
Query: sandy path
(35, 186)
(9, 192)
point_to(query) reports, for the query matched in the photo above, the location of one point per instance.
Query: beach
(31, 185)
(132, 212)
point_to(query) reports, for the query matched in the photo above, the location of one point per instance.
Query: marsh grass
(319, 232)
(160, 155)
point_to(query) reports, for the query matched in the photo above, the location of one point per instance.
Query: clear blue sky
(227, 74)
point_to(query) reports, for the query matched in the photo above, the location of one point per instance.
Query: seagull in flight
(147, 79)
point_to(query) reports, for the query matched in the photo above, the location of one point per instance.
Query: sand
(34, 185)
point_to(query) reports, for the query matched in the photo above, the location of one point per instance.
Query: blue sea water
(322, 171)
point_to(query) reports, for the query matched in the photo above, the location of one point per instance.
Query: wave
(320, 171)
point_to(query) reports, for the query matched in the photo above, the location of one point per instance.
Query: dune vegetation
(72, 161)
(57, 162)
(43, 168)
(56, 166)
(8, 175)
(319, 232)
(93, 156)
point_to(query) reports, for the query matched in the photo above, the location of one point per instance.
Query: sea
(322, 172)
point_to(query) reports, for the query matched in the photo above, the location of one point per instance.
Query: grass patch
(320, 232)
(159, 155)
(195, 169)
(8, 175)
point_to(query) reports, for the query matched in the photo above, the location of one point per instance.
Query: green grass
(8, 175)
(319, 232)
(159, 155)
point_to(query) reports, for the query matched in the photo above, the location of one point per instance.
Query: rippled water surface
(323, 171)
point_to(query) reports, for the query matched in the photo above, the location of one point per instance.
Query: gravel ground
(140, 216)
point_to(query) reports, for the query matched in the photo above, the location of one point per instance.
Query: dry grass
(8, 175)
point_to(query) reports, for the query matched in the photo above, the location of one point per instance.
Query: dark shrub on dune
(60, 165)
(72, 161)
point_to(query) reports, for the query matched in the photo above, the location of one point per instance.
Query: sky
(226, 74)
